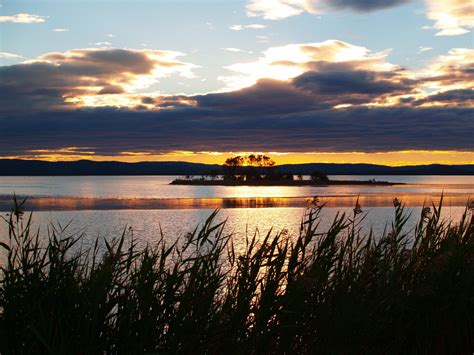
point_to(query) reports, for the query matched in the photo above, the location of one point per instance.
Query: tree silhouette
(235, 165)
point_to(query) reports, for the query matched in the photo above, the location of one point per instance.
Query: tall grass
(332, 291)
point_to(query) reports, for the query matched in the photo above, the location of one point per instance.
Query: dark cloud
(461, 96)
(313, 90)
(110, 131)
(364, 5)
(266, 96)
(112, 90)
(350, 82)
(353, 87)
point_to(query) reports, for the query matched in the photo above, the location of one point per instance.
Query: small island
(261, 170)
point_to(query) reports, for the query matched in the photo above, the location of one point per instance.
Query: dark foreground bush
(336, 291)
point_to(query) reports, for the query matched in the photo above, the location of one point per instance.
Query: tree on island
(258, 160)
(248, 167)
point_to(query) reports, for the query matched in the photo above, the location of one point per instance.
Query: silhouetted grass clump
(333, 291)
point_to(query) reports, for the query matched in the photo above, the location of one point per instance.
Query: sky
(340, 81)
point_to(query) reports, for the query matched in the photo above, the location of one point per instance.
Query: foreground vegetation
(332, 291)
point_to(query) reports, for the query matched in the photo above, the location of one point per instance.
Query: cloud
(61, 30)
(330, 74)
(231, 49)
(7, 55)
(364, 5)
(85, 77)
(236, 50)
(422, 49)
(23, 18)
(109, 131)
(280, 9)
(243, 27)
(101, 44)
(353, 87)
(463, 97)
(452, 17)
(450, 72)
(286, 62)
(319, 97)
(339, 74)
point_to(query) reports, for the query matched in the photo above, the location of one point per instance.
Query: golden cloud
(452, 17)
(292, 60)
(89, 76)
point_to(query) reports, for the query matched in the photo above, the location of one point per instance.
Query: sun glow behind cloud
(395, 158)
(452, 17)
(289, 61)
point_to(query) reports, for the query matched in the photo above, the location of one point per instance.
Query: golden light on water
(369, 200)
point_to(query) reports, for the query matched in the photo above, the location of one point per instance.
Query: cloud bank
(318, 97)
(109, 131)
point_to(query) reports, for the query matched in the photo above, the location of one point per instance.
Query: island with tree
(261, 170)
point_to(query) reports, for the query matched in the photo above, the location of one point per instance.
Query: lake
(104, 205)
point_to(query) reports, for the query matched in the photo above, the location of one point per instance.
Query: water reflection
(158, 187)
(371, 200)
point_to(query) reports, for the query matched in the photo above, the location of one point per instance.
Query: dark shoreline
(18, 167)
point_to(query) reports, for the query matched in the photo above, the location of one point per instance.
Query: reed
(323, 291)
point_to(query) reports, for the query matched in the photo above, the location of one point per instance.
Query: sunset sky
(372, 81)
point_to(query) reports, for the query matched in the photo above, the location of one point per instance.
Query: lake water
(102, 206)
(158, 187)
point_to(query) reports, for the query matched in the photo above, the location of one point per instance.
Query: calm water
(146, 223)
(158, 187)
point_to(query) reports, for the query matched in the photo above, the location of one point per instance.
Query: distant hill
(371, 169)
(17, 167)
